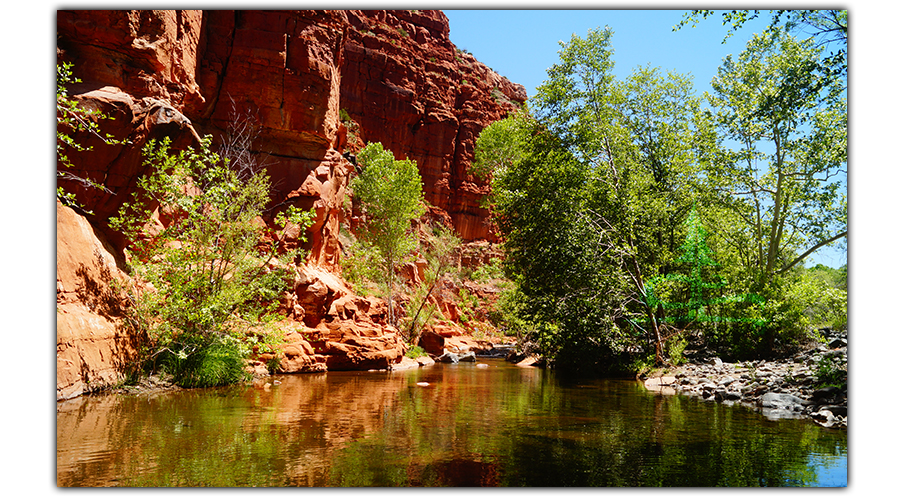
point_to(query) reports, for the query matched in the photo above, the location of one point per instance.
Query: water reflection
(502, 426)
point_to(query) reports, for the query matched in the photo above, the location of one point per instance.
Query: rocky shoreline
(787, 388)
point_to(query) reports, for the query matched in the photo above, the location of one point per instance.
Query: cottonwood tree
(587, 202)
(390, 196)
(784, 179)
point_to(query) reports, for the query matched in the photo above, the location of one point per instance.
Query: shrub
(830, 373)
(488, 272)
(221, 362)
(211, 279)
(415, 352)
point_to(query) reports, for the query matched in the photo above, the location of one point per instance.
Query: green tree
(784, 179)
(207, 283)
(584, 193)
(390, 195)
(698, 284)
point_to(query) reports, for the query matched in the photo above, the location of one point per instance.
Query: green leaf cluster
(73, 118)
(211, 277)
(589, 191)
(390, 196)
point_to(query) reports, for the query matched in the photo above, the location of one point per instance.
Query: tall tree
(390, 195)
(586, 203)
(788, 123)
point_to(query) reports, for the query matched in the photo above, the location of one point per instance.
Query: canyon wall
(407, 86)
(395, 74)
(311, 86)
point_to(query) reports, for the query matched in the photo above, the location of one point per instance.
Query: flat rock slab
(652, 383)
(529, 361)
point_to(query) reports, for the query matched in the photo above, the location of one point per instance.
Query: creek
(491, 424)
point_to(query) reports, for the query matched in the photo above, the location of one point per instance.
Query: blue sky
(522, 44)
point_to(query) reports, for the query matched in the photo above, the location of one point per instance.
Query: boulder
(404, 364)
(424, 361)
(448, 357)
(778, 405)
(467, 357)
(530, 361)
(826, 393)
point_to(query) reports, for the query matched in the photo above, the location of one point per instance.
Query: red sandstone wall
(183, 73)
(396, 73)
(406, 85)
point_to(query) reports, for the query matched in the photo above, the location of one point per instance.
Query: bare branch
(813, 249)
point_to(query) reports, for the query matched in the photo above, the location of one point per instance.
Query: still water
(498, 425)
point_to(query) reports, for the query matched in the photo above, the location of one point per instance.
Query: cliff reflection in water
(470, 426)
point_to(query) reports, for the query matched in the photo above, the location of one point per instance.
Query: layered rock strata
(286, 75)
(407, 86)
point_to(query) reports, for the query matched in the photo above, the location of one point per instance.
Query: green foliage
(221, 362)
(72, 118)
(438, 247)
(361, 266)
(211, 282)
(831, 373)
(488, 272)
(584, 194)
(675, 349)
(821, 303)
(697, 301)
(467, 303)
(500, 145)
(415, 352)
(390, 196)
(825, 27)
(784, 182)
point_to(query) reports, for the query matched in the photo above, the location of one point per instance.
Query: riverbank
(797, 387)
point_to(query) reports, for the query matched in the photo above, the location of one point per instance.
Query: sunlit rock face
(408, 87)
(94, 346)
(184, 74)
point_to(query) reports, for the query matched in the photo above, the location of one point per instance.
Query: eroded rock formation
(408, 87)
(93, 344)
(288, 75)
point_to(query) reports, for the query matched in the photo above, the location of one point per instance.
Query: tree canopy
(390, 195)
(606, 186)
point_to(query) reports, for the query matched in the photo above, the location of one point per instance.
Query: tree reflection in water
(504, 426)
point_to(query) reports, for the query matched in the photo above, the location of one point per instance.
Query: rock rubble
(787, 388)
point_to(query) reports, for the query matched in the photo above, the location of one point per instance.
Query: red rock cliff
(186, 73)
(395, 73)
(408, 87)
